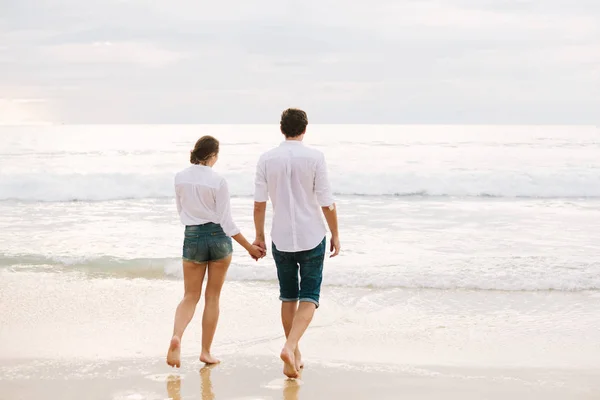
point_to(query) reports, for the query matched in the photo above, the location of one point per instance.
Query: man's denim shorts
(309, 264)
(206, 242)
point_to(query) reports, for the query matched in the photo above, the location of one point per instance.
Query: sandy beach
(75, 336)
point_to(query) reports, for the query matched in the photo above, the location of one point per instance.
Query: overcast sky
(344, 61)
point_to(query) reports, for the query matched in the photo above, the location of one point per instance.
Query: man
(294, 177)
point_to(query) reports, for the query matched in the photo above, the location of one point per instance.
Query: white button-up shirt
(294, 176)
(202, 196)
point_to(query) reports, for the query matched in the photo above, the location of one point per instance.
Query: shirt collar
(292, 142)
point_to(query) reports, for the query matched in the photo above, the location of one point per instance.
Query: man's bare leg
(193, 276)
(302, 319)
(288, 312)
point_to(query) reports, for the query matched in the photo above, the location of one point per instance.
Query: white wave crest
(570, 183)
(85, 187)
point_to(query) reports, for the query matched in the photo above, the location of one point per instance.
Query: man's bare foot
(289, 363)
(206, 358)
(299, 362)
(174, 354)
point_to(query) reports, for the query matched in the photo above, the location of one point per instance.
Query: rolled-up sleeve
(224, 210)
(261, 189)
(322, 186)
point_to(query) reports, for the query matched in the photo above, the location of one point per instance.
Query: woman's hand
(256, 252)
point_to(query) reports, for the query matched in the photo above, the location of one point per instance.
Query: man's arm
(261, 195)
(260, 211)
(330, 214)
(325, 199)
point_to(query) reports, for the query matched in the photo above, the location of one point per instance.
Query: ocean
(488, 208)
(460, 244)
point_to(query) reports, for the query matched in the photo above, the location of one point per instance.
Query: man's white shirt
(294, 177)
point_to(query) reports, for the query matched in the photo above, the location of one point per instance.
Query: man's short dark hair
(293, 122)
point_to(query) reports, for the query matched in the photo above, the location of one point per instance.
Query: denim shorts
(309, 265)
(206, 242)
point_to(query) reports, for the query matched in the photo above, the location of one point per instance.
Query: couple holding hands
(294, 177)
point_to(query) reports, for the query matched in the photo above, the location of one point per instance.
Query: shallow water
(461, 245)
(490, 208)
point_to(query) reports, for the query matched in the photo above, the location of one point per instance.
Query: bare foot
(289, 363)
(206, 358)
(174, 354)
(299, 362)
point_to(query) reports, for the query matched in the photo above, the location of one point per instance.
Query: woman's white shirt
(202, 196)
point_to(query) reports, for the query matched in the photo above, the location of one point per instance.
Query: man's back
(294, 176)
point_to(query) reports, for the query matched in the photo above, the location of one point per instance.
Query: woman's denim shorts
(206, 242)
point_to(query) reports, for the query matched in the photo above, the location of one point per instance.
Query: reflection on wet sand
(206, 388)
(174, 387)
(291, 387)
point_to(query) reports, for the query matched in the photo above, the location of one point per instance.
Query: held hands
(257, 252)
(260, 249)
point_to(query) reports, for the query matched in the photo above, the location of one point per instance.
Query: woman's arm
(226, 220)
(223, 203)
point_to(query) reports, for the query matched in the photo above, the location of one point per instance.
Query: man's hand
(335, 246)
(256, 252)
(260, 243)
(330, 213)
(260, 210)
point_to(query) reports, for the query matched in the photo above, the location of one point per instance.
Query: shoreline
(58, 316)
(259, 377)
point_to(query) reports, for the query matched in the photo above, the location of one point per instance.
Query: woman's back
(202, 197)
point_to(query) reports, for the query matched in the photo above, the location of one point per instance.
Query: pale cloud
(389, 61)
(136, 53)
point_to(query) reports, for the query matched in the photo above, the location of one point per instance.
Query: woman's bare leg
(217, 271)
(193, 275)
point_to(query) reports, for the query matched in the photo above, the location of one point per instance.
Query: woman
(203, 204)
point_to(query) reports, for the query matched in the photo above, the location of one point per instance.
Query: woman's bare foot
(289, 363)
(206, 358)
(299, 362)
(174, 354)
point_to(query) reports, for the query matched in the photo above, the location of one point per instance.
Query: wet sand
(69, 336)
(260, 378)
